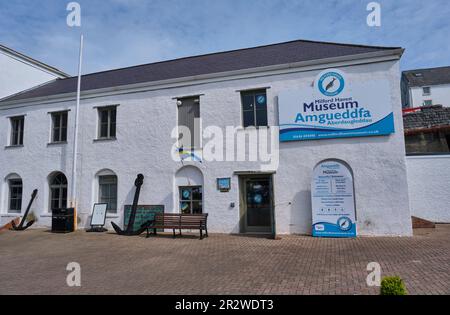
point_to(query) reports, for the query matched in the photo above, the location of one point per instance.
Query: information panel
(333, 202)
(144, 213)
(99, 214)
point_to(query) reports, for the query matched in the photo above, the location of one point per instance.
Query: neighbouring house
(427, 138)
(427, 129)
(19, 72)
(331, 111)
(426, 87)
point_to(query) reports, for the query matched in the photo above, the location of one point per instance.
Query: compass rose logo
(331, 83)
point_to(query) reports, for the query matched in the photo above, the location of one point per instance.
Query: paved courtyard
(34, 262)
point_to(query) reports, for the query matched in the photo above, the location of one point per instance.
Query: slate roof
(426, 77)
(427, 117)
(262, 56)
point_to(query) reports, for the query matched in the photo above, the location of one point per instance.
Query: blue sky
(120, 33)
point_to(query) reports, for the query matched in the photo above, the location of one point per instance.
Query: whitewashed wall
(440, 95)
(429, 187)
(17, 75)
(144, 124)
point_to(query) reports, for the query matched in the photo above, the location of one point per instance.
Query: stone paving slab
(34, 262)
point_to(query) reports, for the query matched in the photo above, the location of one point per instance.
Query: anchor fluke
(21, 226)
(129, 230)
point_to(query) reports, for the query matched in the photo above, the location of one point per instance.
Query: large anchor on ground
(129, 231)
(20, 227)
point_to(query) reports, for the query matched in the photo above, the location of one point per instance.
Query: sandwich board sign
(333, 200)
(98, 218)
(99, 214)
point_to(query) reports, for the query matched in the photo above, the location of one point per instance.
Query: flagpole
(75, 140)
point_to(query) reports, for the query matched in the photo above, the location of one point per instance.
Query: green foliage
(393, 286)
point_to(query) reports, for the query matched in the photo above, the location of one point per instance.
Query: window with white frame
(15, 195)
(107, 122)
(427, 103)
(254, 108)
(59, 127)
(191, 200)
(17, 129)
(107, 191)
(58, 191)
(426, 90)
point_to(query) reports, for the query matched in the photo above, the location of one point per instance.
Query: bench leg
(201, 234)
(155, 232)
(206, 230)
(174, 233)
(180, 233)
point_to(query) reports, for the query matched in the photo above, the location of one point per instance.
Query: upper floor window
(427, 103)
(107, 122)
(17, 128)
(189, 119)
(254, 108)
(426, 90)
(59, 127)
(15, 195)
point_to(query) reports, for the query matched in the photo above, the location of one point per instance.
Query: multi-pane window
(427, 103)
(59, 129)
(191, 199)
(108, 192)
(254, 108)
(17, 127)
(426, 90)
(189, 119)
(107, 122)
(15, 195)
(58, 192)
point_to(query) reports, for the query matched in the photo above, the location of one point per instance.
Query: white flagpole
(75, 140)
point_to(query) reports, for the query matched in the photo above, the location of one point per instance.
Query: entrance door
(258, 209)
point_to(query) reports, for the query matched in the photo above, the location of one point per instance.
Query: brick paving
(34, 262)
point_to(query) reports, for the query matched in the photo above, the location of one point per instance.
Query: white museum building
(337, 164)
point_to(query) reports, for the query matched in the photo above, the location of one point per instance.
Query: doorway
(257, 215)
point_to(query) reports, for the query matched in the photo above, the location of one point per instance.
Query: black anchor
(20, 227)
(129, 231)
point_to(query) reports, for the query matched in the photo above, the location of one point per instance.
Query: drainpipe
(75, 140)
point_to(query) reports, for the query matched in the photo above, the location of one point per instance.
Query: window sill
(105, 139)
(14, 146)
(46, 215)
(112, 216)
(56, 143)
(252, 127)
(11, 215)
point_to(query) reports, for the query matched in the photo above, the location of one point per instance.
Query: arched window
(58, 191)
(189, 182)
(107, 189)
(15, 189)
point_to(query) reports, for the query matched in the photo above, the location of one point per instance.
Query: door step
(419, 223)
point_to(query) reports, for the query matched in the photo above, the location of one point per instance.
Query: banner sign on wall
(333, 202)
(336, 107)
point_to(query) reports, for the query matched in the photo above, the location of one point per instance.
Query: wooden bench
(176, 221)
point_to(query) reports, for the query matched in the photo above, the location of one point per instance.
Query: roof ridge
(422, 69)
(235, 50)
(32, 60)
